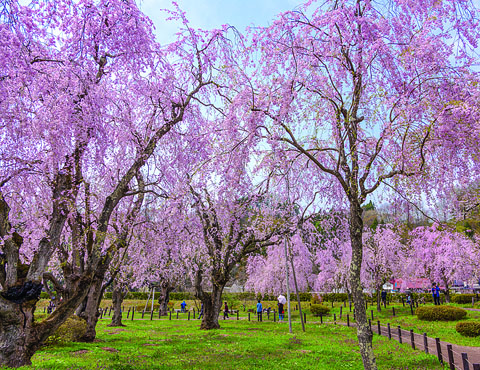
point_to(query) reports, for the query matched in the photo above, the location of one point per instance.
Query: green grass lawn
(165, 344)
(445, 330)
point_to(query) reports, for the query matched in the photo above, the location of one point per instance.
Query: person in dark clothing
(259, 311)
(280, 311)
(225, 311)
(384, 297)
(436, 294)
(201, 312)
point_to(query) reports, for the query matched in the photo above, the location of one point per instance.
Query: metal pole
(288, 288)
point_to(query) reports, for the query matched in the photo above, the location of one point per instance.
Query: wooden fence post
(393, 311)
(425, 342)
(451, 361)
(439, 350)
(133, 312)
(379, 327)
(128, 313)
(151, 315)
(389, 331)
(371, 314)
(249, 316)
(399, 334)
(170, 315)
(412, 338)
(348, 319)
(466, 365)
(143, 313)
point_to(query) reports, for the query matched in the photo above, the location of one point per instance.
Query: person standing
(225, 312)
(280, 311)
(201, 312)
(183, 305)
(259, 311)
(384, 298)
(436, 294)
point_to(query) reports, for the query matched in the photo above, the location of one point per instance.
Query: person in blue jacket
(183, 305)
(436, 294)
(259, 311)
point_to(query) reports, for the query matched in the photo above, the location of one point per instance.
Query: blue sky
(209, 14)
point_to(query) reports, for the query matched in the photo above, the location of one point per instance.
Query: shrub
(180, 296)
(318, 309)
(463, 298)
(316, 299)
(44, 295)
(468, 328)
(335, 297)
(141, 307)
(71, 330)
(440, 313)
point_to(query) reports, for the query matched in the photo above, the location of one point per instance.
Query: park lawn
(445, 330)
(165, 344)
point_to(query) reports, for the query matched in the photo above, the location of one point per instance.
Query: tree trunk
(15, 332)
(212, 305)
(117, 300)
(164, 298)
(364, 334)
(90, 308)
(20, 336)
(447, 293)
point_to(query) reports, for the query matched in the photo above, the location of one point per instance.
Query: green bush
(180, 296)
(71, 330)
(316, 299)
(318, 309)
(468, 328)
(335, 297)
(440, 313)
(44, 295)
(141, 307)
(463, 298)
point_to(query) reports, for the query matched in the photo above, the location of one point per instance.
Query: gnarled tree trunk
(212, 302)
(89, 309)
(212, 305)
(118, 295)
(164, 297)
(20, 336)
(364, 333)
